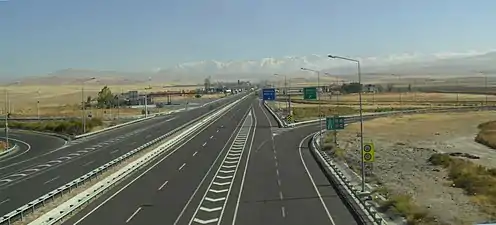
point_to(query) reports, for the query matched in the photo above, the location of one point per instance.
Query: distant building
(370, 88)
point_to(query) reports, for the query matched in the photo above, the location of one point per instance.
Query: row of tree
(356, 87)
(105, 99)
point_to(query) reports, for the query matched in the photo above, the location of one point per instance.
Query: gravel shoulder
(404, 144)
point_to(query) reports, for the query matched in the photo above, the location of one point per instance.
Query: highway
(24, 180)
(240, 170)
(30, 144)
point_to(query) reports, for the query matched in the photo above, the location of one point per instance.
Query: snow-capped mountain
(292, 64)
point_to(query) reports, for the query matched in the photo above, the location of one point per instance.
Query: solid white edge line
(312, 181)
(238, 127)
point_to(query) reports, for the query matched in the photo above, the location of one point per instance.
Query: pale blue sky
(40, 36)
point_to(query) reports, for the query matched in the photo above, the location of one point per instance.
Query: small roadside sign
(368, 152)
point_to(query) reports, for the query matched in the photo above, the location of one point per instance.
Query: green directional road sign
(310, 93)
(334, 123)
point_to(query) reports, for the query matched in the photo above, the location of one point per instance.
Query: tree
(409, 87)
(379, 88)
(389, 87)
(207, 84)
(105, 98)
(352, 87)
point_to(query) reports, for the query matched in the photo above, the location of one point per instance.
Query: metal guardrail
(360, 201)
(280, 122)
(19, 213)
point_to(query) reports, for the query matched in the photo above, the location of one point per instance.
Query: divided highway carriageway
(26, 178)
(242, 169)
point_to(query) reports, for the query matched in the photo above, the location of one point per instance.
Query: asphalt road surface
(241, 170)
(160, 191)
(25, 180)
(30, 144)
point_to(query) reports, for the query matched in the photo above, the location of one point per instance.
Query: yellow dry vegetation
(65, 100)
(406, 98)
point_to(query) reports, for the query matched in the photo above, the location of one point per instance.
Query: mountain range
(443, 64)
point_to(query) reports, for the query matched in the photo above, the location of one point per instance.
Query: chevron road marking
(212, 213)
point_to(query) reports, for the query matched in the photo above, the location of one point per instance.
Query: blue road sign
(269, 94)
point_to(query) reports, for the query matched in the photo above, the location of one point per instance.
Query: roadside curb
(280, 122)
(4, 153)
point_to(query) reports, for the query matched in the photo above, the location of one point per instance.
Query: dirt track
(403, 145)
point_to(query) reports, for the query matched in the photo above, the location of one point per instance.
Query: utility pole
(38, 105)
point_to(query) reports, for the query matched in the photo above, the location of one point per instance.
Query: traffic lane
(172, 123)
(34, 143)
(22, 191)
(185, 195)
(307, 192)
(66, 151)
(163, 188)
(260, 198)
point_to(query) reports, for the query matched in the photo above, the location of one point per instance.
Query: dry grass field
(380, 102)
(415, 98)
(65, 100)
(430, 165)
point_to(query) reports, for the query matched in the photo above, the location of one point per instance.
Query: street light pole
(318, 99)
(7, 112)
(288, 103)
(361, 111)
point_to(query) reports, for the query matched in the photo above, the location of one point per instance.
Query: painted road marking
(204, 144)
(74, 154)
(195, 153)
(18, 175)
(112, 152)
(48, 181)
(180, 168)
(206, 213)
(134, 214)
(88, 163)
(54, 161)
(31, 170)
(163, 185)
(5, 201)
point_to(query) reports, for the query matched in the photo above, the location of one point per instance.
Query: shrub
(70, 127)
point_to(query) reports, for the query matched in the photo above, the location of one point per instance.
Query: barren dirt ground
(403, 145)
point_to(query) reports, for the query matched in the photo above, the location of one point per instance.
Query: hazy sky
(40, 36)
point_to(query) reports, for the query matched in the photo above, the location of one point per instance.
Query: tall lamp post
(7, 112)
(288, 105)
(361, 111)
(318, 99)
(83, 104)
